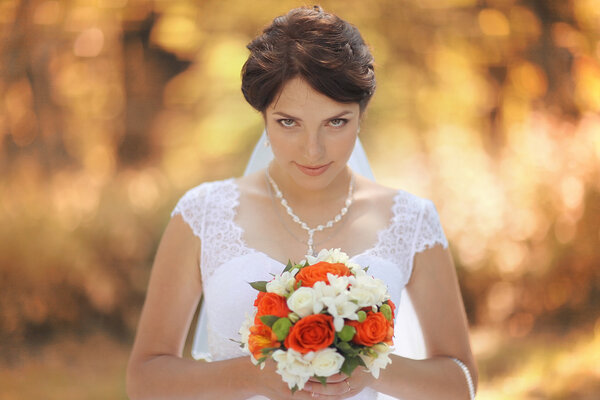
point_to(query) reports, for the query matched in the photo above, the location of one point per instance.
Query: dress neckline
(378, 242)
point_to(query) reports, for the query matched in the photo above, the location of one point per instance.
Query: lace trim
(430, 230)
(210, 210)
(415, 227)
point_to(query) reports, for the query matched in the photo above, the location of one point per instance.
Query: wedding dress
(228, 264)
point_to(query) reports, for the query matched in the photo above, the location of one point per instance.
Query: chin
(316, 181)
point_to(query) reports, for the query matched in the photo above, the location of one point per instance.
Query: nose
(314, 145)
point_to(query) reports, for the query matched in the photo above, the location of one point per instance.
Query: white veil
(408, 337)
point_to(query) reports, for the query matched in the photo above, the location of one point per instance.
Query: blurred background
(111, 109)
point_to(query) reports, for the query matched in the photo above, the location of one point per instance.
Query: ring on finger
(349, 387)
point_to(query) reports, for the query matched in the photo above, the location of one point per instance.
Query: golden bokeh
(110, 110)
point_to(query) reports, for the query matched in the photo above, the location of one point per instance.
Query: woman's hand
(339, 386)
(270, 384)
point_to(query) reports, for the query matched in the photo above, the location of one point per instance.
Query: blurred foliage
(111, 109)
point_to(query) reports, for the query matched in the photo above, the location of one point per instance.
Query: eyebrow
(339, 115)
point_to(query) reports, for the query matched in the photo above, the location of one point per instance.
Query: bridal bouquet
(319, 318)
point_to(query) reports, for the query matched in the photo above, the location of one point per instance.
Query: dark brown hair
(326, 51)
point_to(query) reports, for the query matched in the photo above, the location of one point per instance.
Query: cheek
(343, 145)
(283, 148)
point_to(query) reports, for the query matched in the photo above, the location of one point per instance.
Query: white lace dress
(228, 264)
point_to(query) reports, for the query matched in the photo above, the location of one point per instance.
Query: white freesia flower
(339, 308)
(327, 362)
(323, 291)
(303, 302)
(295, 369)
(245, 330)
(338, 283)
(376, 363)
(282, 284)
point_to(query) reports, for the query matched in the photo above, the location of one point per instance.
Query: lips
(313, 170)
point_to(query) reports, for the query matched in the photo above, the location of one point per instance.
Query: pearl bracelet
(467, 376)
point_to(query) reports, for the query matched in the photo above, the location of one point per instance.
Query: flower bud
(293, 317)
(381, 347)
(361, 316)
(386, 310)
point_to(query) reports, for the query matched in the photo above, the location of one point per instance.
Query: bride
(311, 76)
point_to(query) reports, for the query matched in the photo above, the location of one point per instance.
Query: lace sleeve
(429, 230)
(191, 208)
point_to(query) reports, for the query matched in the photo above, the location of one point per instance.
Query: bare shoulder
(252, 185)
(373, 192)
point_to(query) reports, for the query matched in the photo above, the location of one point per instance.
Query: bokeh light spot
(89, 43)
(493, 22)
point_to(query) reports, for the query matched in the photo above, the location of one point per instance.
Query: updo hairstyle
(321, 48)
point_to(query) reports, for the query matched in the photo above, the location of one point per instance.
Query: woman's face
(312, 136)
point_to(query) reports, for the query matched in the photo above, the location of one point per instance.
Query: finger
(331, 389)
(332, 379)
(336, 378)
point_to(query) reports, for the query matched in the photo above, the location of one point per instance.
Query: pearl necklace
(303, 225)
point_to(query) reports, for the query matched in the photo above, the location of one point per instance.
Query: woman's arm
(435, 295)
(156, 368)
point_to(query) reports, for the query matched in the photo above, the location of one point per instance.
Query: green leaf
(281, 328)
(261, 360)
(288, 267)
(268, 320)
(267, 350)
(350, 365)
(386, 310)
(347, 349)
(347, 333)
(361, 316)
(261, 286)
(294, 389)
(321, 379)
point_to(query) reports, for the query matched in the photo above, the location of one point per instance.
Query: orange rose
(318, 272)
(311, 333)
(261, 337)
(270, 304)
(375, 329)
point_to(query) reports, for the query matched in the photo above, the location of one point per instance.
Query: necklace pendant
(311, 231)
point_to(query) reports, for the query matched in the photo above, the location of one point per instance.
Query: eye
(287, 122)
(338, 122)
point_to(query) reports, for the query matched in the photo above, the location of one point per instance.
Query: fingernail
(308, 386)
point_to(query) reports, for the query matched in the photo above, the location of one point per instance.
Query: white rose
(364, 297)
(337, 256)
(376, 286)
(354, 267)
(303, 303)
(282, 284)
(327, 362)
(330, 256)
